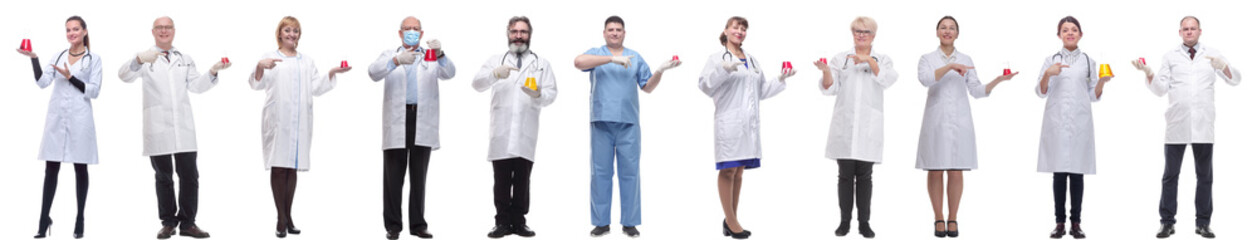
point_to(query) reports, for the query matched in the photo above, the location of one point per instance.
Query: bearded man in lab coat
(411, 114)
(1187, 74)
(169, 132)
(522, 83)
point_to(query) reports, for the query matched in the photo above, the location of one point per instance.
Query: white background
(792, 197)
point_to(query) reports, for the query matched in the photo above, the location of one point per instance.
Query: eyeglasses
(862, 32)
(164, 27)
(519, 31)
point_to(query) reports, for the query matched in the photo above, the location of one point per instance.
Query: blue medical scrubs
(615, 138)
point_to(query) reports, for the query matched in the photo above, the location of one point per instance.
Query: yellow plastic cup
(1105, 70)
(531, 83)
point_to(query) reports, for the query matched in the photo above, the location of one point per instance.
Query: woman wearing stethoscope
(69, 131)
(858, 77)
(947, 143)
(291, 81)
(1070, 83)
(737, 84)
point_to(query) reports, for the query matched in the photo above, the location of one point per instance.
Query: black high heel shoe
(45, 230)
(729, 233)
(293, 229)
(952, 232)
(937, 233)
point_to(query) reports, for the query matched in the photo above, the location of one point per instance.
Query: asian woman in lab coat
(947, 144)
(69, 131)
(736, 82)
(858, 78)
(1070, 82)
(291, 81)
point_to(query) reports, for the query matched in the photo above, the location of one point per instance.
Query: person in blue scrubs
(615, 75)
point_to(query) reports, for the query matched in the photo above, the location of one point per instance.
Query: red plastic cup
(1141, 61)
(786, 65)
(225, 60)
(1008, 71)
(825, 60)
(675, 58)
(429, 55)
(26, 45)
(343, 64)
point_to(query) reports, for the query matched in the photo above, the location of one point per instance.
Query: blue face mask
(411, 37)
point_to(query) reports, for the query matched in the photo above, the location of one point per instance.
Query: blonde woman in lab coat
(70, 130)
(736, 82)
(947, 144)
(291, 81)
(1070, 82)
(857, 77)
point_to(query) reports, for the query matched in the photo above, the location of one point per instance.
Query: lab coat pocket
(729, 131)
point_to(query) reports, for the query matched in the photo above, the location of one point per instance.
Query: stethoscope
(87, 56)
(519, 60)
(1084, 55)
(728, 56)
(847, 61)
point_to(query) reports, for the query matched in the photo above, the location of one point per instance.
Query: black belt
(411, 106)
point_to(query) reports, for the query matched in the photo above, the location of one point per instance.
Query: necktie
(167, 55)
(1192, 51)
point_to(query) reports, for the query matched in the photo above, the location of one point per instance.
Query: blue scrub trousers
(612, 141)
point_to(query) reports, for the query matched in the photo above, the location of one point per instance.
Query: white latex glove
(503, 71)
(626, 61)
(530, 92)
(219, 66)
(405, 58)
(436, 45)
(1217, 63)
(731, 66)
(148, 56)
(786, 75)
(1142, 67)
(670, 64)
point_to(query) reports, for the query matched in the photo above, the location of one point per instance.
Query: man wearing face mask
(169, 133)
(411, 108)
(522, 83)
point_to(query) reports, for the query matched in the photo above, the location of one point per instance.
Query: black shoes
(843, 229)
(499, 231)
(281, 234)
(1076, 232)
(865, 230)
(953, 231)
(45, 229)
(522, 230)
(393, 235)
(943, 233)
(194, 232)
(421, 233)
(1204, 231)
(1058, 232)
(165, 232)
(631, 232)
(600, 230)
(1166, 231)
(738, 235)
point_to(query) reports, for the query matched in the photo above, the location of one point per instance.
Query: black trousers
(182, 215)
(51, 169)
(510, 190)
(283, 187)
(855, 183)
(1204, 182)
(395, 163)
(1072, 182)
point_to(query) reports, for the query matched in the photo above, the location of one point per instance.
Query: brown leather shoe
(165, 232)
(194, 232)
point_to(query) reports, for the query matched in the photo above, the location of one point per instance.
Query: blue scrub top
(613, 88)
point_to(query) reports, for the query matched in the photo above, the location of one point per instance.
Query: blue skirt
(748, 163)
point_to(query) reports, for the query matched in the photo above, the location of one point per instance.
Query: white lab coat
(427, 112)
(855, 130)
(168, 125)
(947, 137)
(69, 129)
(288, 114)
(513, 115)
(1189, 82)
(1067, 142)
(737, 95)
